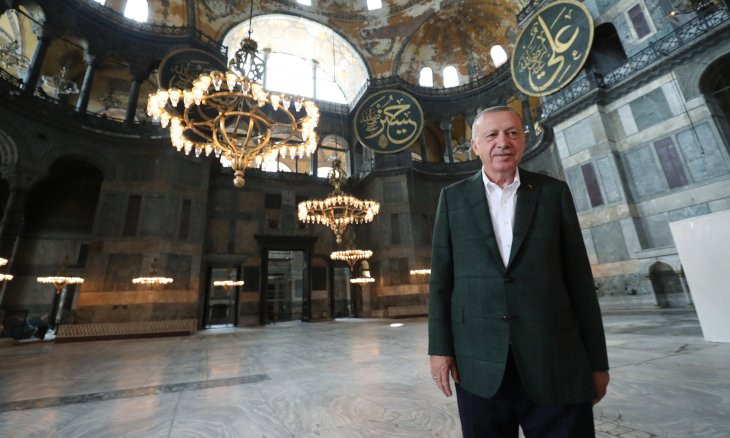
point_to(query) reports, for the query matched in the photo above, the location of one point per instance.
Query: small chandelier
(338, 210)
(232, 116)
(4, 277)
(60, 85)
(153, 279)
(364, 277)
(420, 271)
(59, 281)
(11, 56)
(351, 256)
(229, 283)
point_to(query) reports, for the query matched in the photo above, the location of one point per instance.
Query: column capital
(445, 124)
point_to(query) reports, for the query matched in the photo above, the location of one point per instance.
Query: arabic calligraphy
(552, 48)
(389, 121)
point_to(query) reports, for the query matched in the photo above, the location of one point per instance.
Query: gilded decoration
(552, 48)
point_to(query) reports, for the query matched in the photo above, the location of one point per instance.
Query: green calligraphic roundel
(552, 47)
(389, 121)
(180, 68)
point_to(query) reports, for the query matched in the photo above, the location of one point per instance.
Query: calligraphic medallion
(388, 121)
(181, 67)
(552, 47)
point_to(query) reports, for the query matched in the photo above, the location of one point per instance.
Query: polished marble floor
(346, 378)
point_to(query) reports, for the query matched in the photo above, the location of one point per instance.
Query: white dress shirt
(502, 203)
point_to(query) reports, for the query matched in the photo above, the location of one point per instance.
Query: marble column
(424, 150)
(445, 126)
(315, 63)
(133, 98)
(36, 64)
(527, 117)
(83, 102)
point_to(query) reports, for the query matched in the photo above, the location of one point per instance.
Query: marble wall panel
(644, 177)
(650, 109)
(702, 153)
(688, 212)
(120, 270)
(178, 267)
(153, 214)
(580, 136)
(111, 213)
(609, 179)
(656, 231)
(577, 188)
(609, 242)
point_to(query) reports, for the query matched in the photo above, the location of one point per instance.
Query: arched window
(332, 145)
(451, 77)
(498, 54)
(374, 4)
(136, 10)
(339, 72)
(426, 77)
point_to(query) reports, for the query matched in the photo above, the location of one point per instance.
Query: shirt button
(504, 318)
(508, 279)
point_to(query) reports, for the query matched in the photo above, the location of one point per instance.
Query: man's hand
(441, 368)
(600, 378)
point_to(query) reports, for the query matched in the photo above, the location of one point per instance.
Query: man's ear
(474, 146)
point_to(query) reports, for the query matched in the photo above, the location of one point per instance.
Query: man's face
(499, 141)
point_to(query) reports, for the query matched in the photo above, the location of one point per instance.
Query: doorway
(284, 288)
(342, 306)
(221, 307)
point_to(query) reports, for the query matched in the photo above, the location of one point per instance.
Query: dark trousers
(500, 416)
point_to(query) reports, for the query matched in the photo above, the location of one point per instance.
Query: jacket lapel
(527, 196)
(479, 209)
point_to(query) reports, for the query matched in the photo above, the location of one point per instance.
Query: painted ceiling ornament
(552, 48)
(389, 121)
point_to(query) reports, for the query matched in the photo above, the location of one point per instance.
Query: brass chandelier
(338, 209)
(232, 116)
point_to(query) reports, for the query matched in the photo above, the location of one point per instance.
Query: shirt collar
(492, 187)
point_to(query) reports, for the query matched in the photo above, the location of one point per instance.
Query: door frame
(286, 243)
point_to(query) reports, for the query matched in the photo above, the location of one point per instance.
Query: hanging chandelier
(338, 210)
(4, 277)
(351, 256)
(364, 277)
(152, 279)
(58, 281)
(420, 271)
(229, 283)
(60, 85)
(232, 116)
(11, 56)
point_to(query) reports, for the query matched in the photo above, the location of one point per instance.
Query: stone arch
(667, 285)
(104, 163)
(8, 153)
(714, 84)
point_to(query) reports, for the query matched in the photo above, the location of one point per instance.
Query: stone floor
(346, 378)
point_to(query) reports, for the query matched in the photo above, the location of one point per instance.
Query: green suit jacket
(544, 302)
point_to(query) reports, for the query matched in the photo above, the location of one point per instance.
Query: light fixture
(364, 277)
(152, 279)
(420, 271)
(4, 277)
(232, 116)
(60, 85)
(338, 210)
(60, 281)
(11, 56)
(351, 256)
(229, 283)
(687, 6)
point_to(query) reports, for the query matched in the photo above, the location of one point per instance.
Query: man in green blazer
(513, 313)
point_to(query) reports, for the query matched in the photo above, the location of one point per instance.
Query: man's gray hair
(492, 109)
